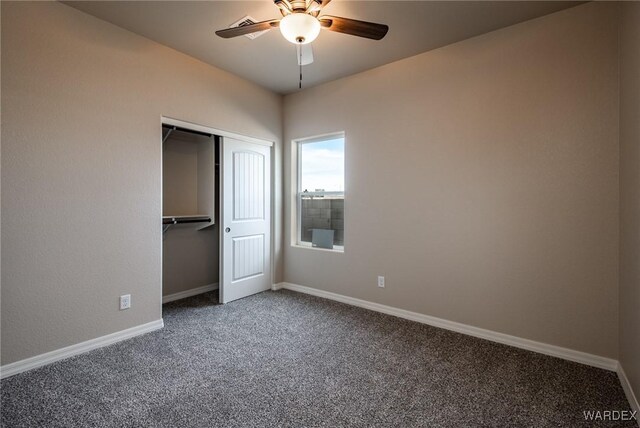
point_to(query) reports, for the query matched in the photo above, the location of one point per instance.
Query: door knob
(228, 229)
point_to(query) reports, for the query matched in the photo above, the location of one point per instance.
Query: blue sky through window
(322, 165)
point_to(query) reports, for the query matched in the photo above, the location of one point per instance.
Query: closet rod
(177, 128)
(178, 220)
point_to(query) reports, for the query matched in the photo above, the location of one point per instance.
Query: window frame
(298, 190)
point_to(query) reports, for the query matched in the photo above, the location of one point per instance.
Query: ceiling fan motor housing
(299, 6)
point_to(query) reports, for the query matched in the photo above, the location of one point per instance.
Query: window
(320, 192)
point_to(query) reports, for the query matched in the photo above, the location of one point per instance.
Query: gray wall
(481, 180)
(81, 163)
(630, 192)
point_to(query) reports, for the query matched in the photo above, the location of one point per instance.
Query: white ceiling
(270, 61)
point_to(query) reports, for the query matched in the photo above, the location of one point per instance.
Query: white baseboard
(628, 391)
(518, 342)
(278, 286)
(188, 293)
(79, 348)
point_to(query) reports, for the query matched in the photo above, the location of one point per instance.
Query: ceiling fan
(301, 25)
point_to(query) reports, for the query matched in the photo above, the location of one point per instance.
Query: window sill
(336, 249)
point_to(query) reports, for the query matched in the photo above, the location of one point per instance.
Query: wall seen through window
(321, 192)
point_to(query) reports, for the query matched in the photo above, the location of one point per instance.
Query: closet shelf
(181, 219)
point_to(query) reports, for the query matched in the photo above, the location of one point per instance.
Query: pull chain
(300, 62)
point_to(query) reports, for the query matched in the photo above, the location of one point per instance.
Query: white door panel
(248, 186)
(246, 219)
(248, 256)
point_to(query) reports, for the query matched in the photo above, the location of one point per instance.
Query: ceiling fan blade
(369, 30)
(304, 54)
(248, 29)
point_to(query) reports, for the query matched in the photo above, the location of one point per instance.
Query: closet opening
(190, 213)
(216, 213)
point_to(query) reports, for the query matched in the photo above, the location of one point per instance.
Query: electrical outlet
(381, 281)
(125, 302)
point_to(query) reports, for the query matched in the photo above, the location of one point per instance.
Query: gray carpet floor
(283, 359)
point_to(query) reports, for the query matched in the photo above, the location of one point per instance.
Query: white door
(245, 256)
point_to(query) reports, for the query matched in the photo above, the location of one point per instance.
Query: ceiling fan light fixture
(300, 28)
